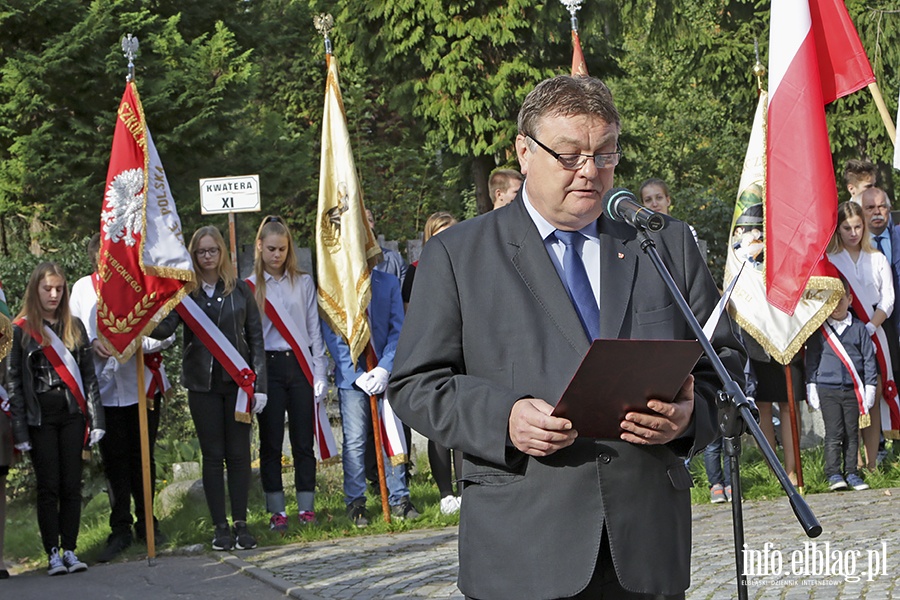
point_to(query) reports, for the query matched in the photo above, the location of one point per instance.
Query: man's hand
(533, 431)
(100, 350)
(670, 419)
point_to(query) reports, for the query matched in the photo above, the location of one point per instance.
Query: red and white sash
(224, 352)
(862, 307)
(276, 312)
(392, 430)
(65, 366)
(831, 337)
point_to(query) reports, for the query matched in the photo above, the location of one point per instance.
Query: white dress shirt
(117, 381)
(298, 297)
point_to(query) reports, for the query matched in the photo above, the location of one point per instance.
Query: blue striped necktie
(578, 284)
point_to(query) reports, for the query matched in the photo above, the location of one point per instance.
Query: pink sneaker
(278, 523)
(307, 517)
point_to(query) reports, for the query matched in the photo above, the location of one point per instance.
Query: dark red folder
(620, 376)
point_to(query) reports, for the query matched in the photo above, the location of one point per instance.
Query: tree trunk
(481, 171)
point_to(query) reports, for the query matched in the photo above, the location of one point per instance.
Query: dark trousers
(289, 393)
(224, 442)
(442, 467)
(840, 412)
(121, 452)
(56, 455)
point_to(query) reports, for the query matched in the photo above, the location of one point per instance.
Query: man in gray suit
(546, 513)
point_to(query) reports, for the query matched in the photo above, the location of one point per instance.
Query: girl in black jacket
(224, 440)
(55, 407)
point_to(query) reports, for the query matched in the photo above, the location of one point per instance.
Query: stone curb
(262, 575)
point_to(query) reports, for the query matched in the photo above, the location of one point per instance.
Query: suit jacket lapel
(618, 261)
(530, 259)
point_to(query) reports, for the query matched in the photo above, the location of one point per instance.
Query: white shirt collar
(845, 322)
(208, 288)
(543, 225)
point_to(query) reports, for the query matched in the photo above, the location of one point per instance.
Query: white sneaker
(449, 505)
(73, 565)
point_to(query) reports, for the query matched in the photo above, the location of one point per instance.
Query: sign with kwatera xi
(229, 194)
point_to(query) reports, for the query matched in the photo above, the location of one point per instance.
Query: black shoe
(356, 512)
(4, 574)
(243, 540)
(116, 543)
(223, 539)
(159, 538)
(404, 510)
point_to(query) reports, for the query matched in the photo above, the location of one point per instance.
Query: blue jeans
(355, 413)
(713, 458)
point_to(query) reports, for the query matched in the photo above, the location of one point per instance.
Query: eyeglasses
(573, 162)
(207, 252)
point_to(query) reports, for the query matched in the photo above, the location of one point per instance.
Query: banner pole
(379, 443)
(145, 455)
(232, 235)
(883, 111)
(795, 433)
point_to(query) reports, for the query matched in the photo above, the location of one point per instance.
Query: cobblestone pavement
(859, 545)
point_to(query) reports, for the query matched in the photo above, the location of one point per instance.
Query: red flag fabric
(144, 267)
(843, 65)
(579, 67)
(814, 57)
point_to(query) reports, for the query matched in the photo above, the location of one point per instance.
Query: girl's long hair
(273, 225)
(437, 222)
(34, 314)
(847, 210)
(224, 269)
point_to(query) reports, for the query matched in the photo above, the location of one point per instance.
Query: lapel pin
(621, 255)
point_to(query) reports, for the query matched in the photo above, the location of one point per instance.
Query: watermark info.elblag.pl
(815, 564)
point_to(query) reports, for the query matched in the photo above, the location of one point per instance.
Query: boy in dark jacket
(841, 375)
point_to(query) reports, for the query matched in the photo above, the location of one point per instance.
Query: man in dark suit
(492, 338)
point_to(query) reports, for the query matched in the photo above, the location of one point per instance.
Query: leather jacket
(23, 402)
(237, 316)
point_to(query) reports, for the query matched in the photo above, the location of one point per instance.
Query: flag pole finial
(572, 6)
(758, 69)
(324, 23)
(130, 47)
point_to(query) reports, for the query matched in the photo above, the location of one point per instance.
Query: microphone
(621, 205)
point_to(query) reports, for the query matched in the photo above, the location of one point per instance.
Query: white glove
(96, 436)
(259, 403)
(869, 397)
(320, 389)
(378, 380)
(812, 396)
(870, 328)
(24, 447)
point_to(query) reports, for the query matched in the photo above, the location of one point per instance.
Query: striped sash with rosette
(65, 366)
(276, 312)
(834, 342)
(224, 352)
(392, 429)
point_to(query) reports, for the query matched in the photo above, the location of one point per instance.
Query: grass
(190, 523)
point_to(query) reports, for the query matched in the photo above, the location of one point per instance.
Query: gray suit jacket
(489, 323)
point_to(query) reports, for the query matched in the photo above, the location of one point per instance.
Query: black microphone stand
(737, 414)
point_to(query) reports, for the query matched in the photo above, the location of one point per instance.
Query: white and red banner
(779, 333)
(326, 447)
(815, 56)
(144, 267)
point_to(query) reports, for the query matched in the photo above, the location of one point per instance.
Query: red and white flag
(144, 267)
(815, 56)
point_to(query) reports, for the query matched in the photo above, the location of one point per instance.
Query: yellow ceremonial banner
(346, 248)
(780, 334)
